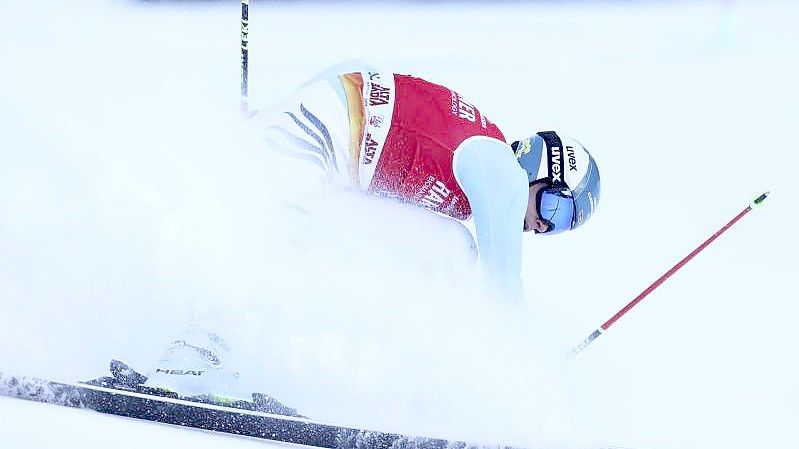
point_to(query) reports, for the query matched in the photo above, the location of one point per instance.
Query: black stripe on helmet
(555, 160)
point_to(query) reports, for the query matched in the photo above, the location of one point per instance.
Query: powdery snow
(133, 201)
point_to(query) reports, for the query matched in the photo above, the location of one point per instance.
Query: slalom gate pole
(600, 330)
(245, 55)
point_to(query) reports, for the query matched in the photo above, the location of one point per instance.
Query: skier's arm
(497, 189)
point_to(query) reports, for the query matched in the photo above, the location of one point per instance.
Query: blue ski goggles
(556, 209)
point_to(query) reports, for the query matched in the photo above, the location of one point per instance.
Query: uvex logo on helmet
(572, 158)
(555, 164)
(554, 148)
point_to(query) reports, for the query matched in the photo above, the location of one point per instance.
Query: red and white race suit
(403, 137)
(410, 131)
(425, 144)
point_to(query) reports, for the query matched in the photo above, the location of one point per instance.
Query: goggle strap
(555, 162)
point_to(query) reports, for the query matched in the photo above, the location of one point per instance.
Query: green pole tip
(760, 199)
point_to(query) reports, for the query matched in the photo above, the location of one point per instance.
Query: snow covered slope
(133, 202)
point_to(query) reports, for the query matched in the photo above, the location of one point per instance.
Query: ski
(264, 417)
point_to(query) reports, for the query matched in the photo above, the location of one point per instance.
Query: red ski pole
(665, 276)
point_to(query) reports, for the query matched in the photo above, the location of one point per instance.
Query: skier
(399, 136)
(402, 137)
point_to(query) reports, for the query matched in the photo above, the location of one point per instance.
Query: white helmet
(571, 175)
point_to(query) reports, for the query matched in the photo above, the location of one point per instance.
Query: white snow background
(133, 201)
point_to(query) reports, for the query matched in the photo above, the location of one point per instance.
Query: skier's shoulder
(485, 156)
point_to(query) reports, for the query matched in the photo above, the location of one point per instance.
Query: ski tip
(760, 199)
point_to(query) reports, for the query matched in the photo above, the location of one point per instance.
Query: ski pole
(600, 330)
(245, 17)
